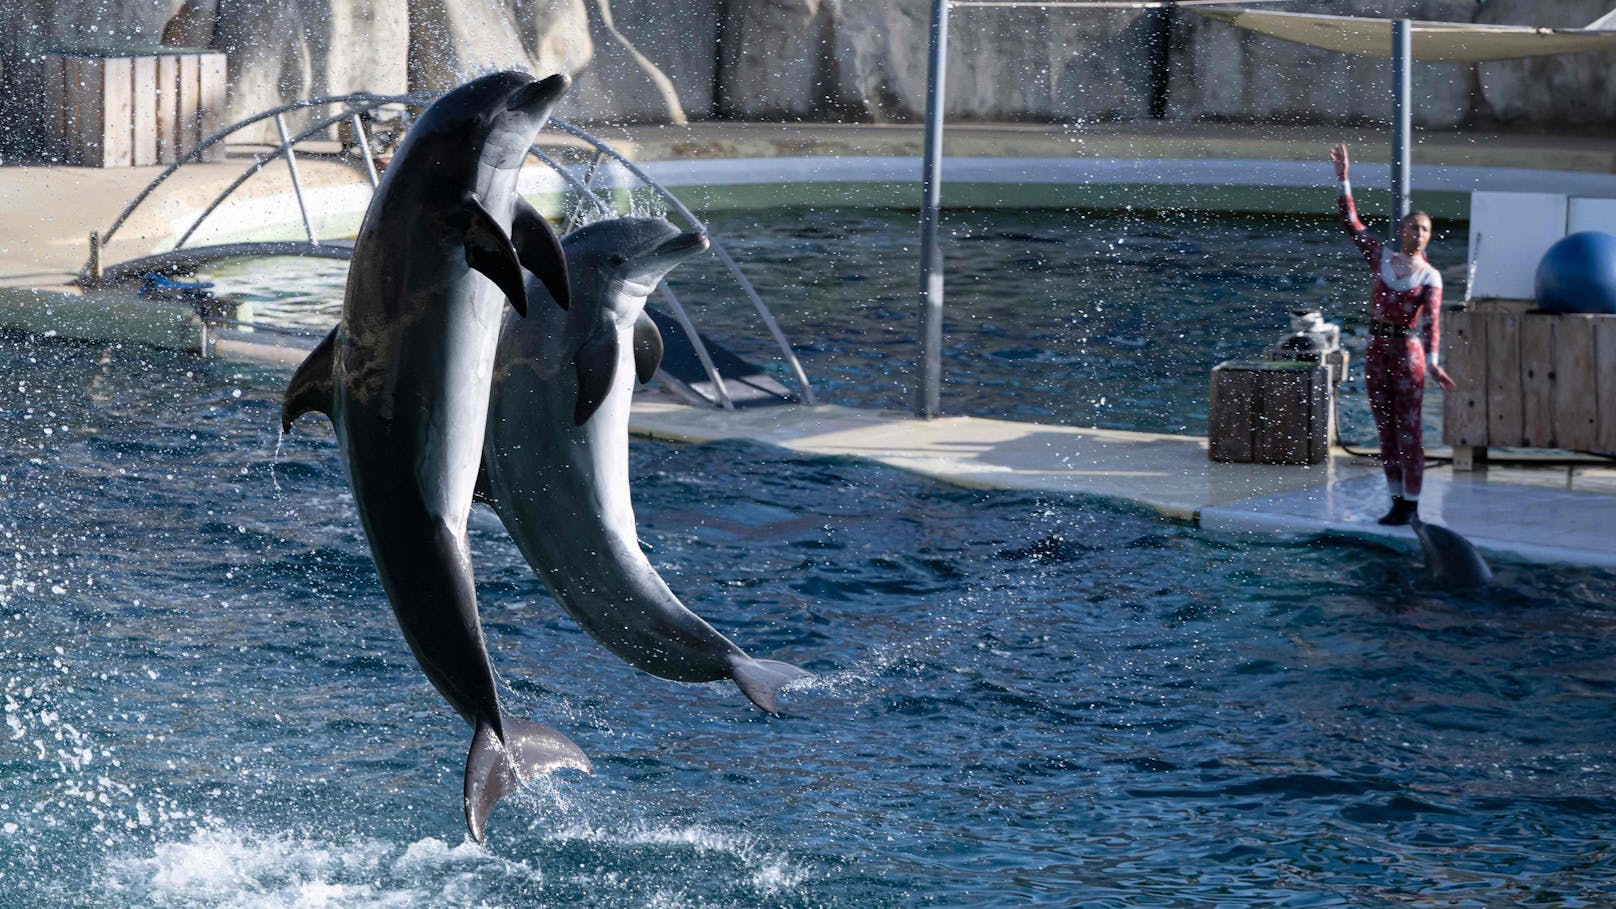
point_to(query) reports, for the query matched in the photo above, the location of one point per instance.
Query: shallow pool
(1022, 700)
(1109, 319)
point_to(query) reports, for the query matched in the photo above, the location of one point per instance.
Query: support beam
(928, 398)
(1402, 118)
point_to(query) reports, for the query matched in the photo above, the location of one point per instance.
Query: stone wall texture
(849, 60)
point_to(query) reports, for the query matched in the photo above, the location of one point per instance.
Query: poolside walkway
(1560, 514)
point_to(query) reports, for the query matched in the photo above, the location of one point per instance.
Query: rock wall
(857, 60)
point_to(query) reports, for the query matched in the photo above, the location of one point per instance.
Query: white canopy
(1436, 42)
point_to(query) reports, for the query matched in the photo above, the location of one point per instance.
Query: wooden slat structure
(133, 106)
(1528, 380)
(1265, 412)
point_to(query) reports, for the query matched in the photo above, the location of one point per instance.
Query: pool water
(1110, 319)
(1022, 700)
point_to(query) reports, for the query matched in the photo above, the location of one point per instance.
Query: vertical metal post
(928, 398)
(364, 148)
(297, 184)
(1402, 118)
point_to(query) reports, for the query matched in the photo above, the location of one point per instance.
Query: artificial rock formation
(856, 60)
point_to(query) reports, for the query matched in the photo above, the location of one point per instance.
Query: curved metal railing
(353, 108)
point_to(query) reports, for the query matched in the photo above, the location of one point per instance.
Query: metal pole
(297, 184)
(928, 399)
(1402, 118)
(364, 148)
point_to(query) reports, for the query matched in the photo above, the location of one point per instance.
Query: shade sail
(1435, 42)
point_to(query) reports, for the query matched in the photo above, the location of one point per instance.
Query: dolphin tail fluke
(761, 680)
(495, 768)
(311, 387)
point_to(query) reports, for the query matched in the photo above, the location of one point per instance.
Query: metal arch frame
(363, 102)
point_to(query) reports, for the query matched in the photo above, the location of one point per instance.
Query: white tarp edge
(1435, 42)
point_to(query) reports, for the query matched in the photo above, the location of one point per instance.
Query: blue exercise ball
(1578, 274)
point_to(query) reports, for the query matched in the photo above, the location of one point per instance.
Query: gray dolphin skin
(556, 457)
(405, 378)
(1451, 559)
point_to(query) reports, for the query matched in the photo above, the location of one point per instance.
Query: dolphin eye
(619, 259)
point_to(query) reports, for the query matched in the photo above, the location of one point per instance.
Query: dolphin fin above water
(1450, 557)
(647, 348)
(596, 364)
(761, 680)
(539, 250)
(495, 768)
(490, 251)
(312, 386)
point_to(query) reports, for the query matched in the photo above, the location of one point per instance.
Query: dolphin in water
(1450, 557)
(404, 378)
(556, 457)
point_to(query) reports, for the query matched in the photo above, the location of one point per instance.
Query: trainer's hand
(1443, 379)
(1338, 157)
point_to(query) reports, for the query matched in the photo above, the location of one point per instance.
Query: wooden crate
(1529, 380)
(1267, 412)
(133, 107)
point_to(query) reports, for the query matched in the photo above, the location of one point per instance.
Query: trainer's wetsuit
(1394, 366)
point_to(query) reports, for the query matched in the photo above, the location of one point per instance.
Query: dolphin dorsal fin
(647, 348)
(489, 250)
(596, 364)
(311, 387)
(539, 251)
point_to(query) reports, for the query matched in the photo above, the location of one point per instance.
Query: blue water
(1109, 319)
(1022, 700)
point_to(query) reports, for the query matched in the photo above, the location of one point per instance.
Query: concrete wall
(858, 60)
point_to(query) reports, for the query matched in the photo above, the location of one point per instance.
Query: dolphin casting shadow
(405, 376)
(556, 458)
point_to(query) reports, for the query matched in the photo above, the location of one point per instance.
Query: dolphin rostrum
(1450, 557)
(556, 457)
(405, 377)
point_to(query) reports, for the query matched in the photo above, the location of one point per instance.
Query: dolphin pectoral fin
(311, 387)
(484, 490)
(489, 250)
(494, 768)
(596, 364)
(647, 348)
(761, 680)
(539, 251)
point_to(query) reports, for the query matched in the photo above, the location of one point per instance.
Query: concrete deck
(1560, 515)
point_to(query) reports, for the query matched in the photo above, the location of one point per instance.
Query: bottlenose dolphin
(556, 457)
(404, 378)
(1450, 557)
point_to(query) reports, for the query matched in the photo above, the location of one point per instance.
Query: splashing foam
(769, 872)
(217, 866)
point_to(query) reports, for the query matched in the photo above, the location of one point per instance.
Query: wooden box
(1270, 412)
(1529, 380)
(133, 107)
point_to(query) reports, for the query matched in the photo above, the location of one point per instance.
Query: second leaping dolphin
(405, 376)
(556, 458)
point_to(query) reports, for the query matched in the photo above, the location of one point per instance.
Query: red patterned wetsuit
(1394, 366)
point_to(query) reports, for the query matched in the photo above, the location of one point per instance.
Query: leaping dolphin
(1450, 557)
(405, 377)
(556, 457)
